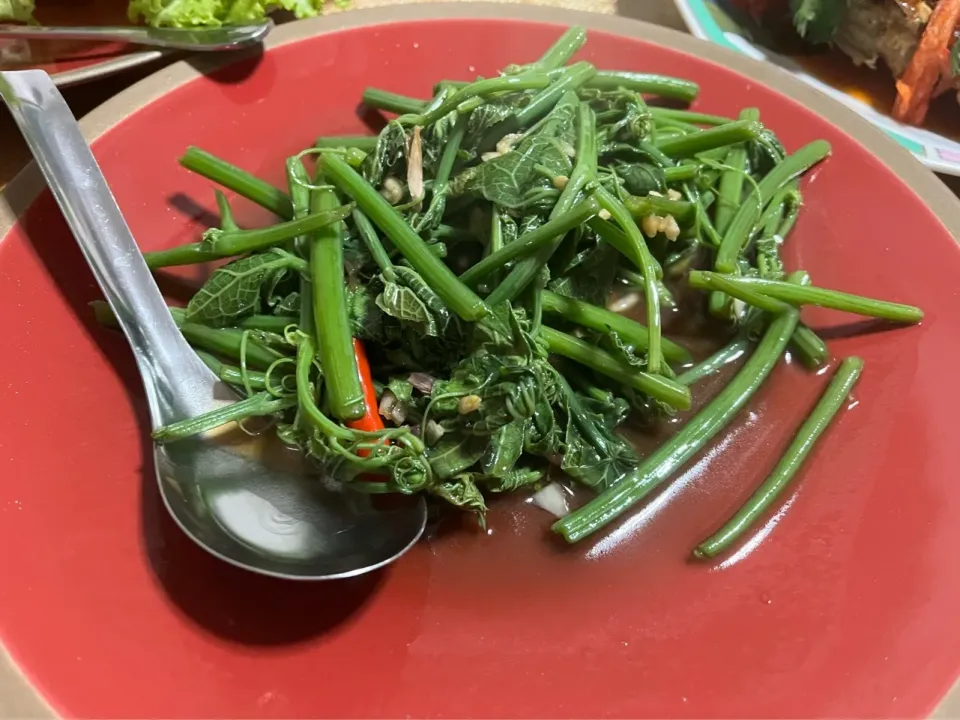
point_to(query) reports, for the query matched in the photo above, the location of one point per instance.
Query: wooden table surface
(83, 98)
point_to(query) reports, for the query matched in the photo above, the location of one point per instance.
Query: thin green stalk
(703, 280)
(648, 266)
(543, 102)
(809, 347)
(230, 374)
(830, 403)
(268, 323)
(481, 88)
(341, 377)
(730, 190)
(457, 296)
(787, 292)
(368, 233)
(237, 180)
(532, 241)
(742, 225)
(365, 143)
(254, 406)
(646, 83)
(723, 357)
(710, 139)
(239, 242)
(603, 320)
(691, 439)
(391, 102)
(658, 387)
(584, 171)
(187, 254)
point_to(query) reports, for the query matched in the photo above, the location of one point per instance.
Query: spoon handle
(178, 384)
(217, 38)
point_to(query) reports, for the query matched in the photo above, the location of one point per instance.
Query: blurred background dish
(869, 92)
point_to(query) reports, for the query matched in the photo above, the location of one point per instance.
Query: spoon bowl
(229, 497)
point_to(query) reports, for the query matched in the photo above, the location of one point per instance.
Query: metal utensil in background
(265, 519)
(227, 37)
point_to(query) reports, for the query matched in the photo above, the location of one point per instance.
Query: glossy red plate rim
(17, 698)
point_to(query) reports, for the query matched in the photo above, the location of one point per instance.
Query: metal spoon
(261, 518)
(227, 37)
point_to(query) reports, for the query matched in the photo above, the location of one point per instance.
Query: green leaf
(401, 389)
(455, 453)
(640, 178)
(542, 153)
(403, 304)
(955, 59)
(817, 20)
(513, 480)
(390, 152)
(234, 290)
(503, 450)
(462, 492)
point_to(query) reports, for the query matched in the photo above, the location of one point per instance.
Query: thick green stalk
(688, 116)
(364, 143)
(269, 323)
(341, 376)
(657, 387)
(753, 206)
(188, 254)
(702, 280)
(368, 233)
(683, 211)
(830, 403)
(240, 181)
(391, 102)
(716, 137)
(457, 296)
(690, 440)
(730, 191)
(646, 83)
(228, 343)
(558, 54)
(544, 101)
(603, 320)
(723, 357)
(532, 241)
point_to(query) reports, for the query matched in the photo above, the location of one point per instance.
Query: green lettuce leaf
(16, 10)
(194, 13)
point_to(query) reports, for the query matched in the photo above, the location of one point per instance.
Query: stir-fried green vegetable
(465, 273)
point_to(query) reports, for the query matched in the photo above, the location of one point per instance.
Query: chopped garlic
(392, 190)
(624, 303)
(650, 225)
(507, 142)
(488, 156)
(670, 228)
(654, 193)
(415, 166)
(674, 194)
(604, 214)
(560, 182)
(468, 404)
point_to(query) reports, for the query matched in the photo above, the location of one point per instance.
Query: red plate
(847, 607)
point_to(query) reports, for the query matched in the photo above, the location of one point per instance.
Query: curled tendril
(412, 473)
(299, 158)
(283, 390)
